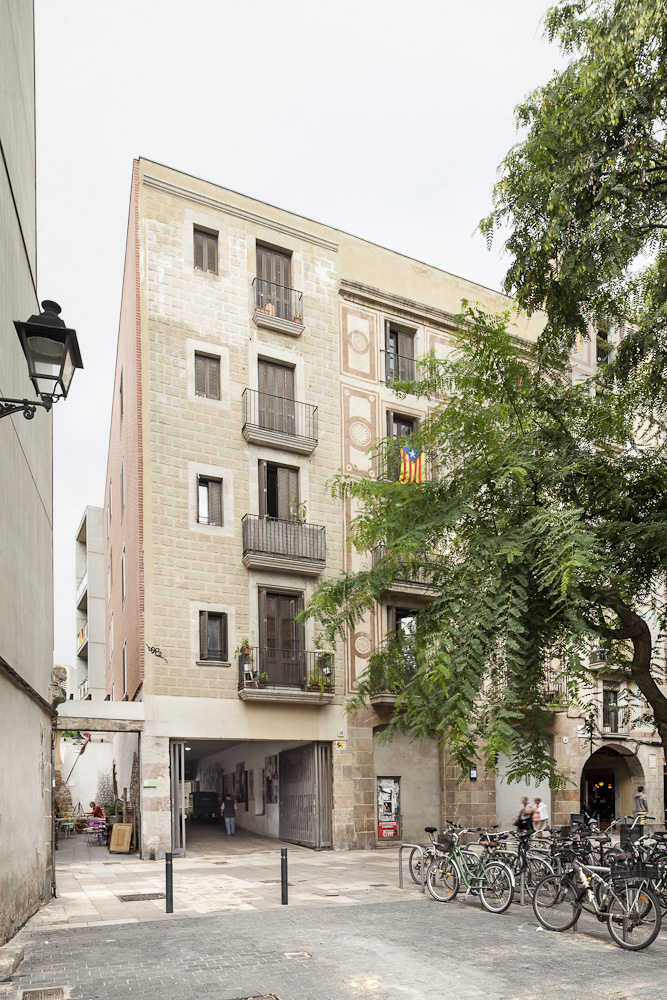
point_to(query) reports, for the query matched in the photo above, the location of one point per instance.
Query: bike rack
(400, 863)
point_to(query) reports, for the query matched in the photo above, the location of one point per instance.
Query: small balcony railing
(420, 576)
(81, 589)
(290, 539)
(84, 689)
(261, 666)
(278, 300)
(398, 368)
(283, 416)
(82, 637)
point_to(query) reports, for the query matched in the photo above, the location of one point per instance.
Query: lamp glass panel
(68, 368)
(45, 360)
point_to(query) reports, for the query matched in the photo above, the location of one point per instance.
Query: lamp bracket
(25, 406)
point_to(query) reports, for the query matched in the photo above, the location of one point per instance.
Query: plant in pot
(262, 679)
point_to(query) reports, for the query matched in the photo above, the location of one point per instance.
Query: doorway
(305, 795)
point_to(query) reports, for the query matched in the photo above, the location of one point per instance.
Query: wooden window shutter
(300, 629)
(213, 369)
(203, 635)
(390, 423)
(262, 615)
(215, 501)
(200, 375)
(211, 253)
(223, 636)
(391, 620)
(283, 493)
(406, 345)
(199, 249)
(262, 488)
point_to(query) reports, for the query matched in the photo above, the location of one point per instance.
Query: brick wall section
(126, 447)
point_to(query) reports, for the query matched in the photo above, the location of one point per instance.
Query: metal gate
(177, 774)
(305, 795)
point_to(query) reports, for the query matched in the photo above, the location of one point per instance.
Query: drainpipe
(53, 812)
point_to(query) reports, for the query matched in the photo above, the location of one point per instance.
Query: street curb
(11, 956)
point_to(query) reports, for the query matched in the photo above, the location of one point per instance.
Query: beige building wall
(90, 606)
(26, 581)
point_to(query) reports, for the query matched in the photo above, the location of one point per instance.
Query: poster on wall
(251, 785)
(258, 782)
(271, 779)
(228, 785)
(388, 800)
(241, 793)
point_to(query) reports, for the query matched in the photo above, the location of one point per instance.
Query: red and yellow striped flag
(412, 466)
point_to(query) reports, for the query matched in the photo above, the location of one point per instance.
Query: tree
(542, 528)
(584, 194)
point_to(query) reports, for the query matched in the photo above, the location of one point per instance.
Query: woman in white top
(540, 816)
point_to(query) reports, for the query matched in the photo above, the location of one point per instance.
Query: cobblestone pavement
(396, 950)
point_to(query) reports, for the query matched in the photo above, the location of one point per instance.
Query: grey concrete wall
(418, 767)
(26, 580)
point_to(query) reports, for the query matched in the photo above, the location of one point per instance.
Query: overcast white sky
(386, 119)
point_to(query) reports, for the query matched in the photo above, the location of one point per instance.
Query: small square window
(212, 636)
(206, 250)
(209, 501)
(207, 376)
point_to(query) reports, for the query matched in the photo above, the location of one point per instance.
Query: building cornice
(376, 298)
(176, 191)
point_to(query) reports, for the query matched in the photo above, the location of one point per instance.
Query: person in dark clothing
(229, 814)
(524, 820)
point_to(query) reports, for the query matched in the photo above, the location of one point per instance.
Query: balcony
(278, 307)
(419, 581)
(292, 546)
(82, 642)
(81, 590)
(84, 690)
(398, 368)
(296, 676)
(280, 422)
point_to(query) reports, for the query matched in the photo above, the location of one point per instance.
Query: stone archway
(609, 778)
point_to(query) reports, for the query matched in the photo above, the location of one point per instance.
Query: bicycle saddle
(430, 829)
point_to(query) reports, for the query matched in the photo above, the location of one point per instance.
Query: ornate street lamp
(52, 353)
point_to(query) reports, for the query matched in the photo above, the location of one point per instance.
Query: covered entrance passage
(282, 791)
(607, 782)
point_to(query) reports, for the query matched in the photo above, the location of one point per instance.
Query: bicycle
(492, 880)
(431, 852)
(632, 913)
(532, 865)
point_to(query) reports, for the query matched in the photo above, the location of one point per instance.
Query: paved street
(408, 949)
(348, 932)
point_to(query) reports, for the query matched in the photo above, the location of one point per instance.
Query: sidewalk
(218, 874)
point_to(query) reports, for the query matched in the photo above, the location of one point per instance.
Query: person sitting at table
(98, 812)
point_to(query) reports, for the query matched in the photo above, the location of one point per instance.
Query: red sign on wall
(387, 828)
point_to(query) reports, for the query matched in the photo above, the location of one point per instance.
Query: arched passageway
(608, 779)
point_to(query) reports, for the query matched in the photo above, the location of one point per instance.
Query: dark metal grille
(294, 668)
(54, 993)
(277, 537)
(419, 575)
(274, 413)
(398, 367)
(278, 300)
(138, 897)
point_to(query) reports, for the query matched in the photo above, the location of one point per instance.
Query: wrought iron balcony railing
(283, 416)
(291, 539)
(397, 367)
(420, 576)
(262, 666)
(278, 300)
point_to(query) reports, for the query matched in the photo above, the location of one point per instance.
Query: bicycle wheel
(634, 917)
(496, 888)
(443, 879)
(536, 870)
(415, 864)
(555, 903)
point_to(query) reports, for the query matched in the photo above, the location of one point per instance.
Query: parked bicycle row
(570, 871)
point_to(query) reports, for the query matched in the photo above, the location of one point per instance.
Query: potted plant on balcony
(262, 679)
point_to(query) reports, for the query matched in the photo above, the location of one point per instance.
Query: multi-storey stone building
(90, 668)
(255, 358)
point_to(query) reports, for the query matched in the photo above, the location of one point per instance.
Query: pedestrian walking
(524, 819)
(229, 808)
(540, 816)
(639, 802)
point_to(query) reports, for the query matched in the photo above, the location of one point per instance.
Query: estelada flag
(412, 465)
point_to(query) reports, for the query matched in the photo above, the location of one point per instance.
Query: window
(111, 637)
(403, 622)
(122, 487)
(610, 708)
(206, 250)
(398, 428)
(278, 491)
(110, 569)
(603, 347)
(209, 501)
(122, 576)
(207, 376)
(109, 511)
(212, 636)
(399, 353)
(276, 397)
(120, 393)
(125, 667)
(274, 278)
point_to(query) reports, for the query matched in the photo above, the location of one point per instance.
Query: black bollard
(283, 875)
(169, 873)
